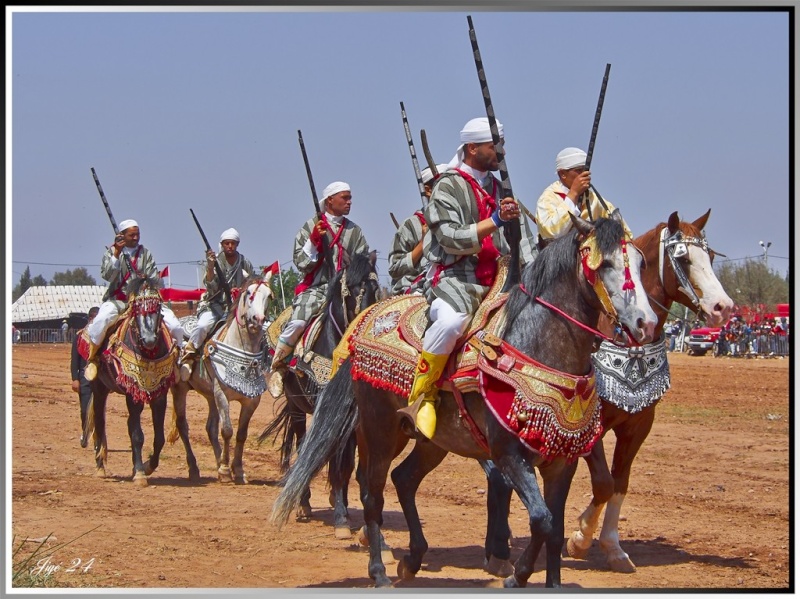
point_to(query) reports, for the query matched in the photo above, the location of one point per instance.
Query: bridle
(144, 305)
(372, 279)
(249, 300)
(676, 246)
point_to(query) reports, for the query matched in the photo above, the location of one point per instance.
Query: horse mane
(554, 260)
(358, 270)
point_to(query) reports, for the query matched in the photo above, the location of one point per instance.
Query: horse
(352, 290)
(230, 370)
(684, 274)
(138, 359)
(546, 330)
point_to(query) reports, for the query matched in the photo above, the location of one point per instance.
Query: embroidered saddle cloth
(142, 378)
(305, 360)
(632, 378)
(238, 369)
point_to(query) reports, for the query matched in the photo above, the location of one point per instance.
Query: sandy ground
(708, 506)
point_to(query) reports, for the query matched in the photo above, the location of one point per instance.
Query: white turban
(476, 131)
(333, 189)
(231, 234)
(427, 173)
(570, 158)
(127, 224)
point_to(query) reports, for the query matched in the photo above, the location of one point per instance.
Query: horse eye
(606, 264)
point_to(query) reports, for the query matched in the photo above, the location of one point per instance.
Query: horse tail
(328, 438)
(174, 433)
(88, 425)
(281, 423)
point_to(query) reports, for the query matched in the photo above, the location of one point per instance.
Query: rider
(345, 239)
(465, 214)
(114, 269)
(212, 307)
(571, 193)
(407, 265)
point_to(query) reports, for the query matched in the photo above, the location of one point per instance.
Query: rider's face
(229, 247)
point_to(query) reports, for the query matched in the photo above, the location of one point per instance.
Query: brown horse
(231, 370)
(547, 330)
(138, 359)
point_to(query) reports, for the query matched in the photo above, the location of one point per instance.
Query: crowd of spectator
(762, 337)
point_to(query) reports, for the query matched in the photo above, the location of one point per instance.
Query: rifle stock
(414, 161)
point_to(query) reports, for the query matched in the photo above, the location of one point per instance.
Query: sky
(199, 108)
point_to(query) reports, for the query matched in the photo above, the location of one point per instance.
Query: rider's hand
(581, 184)
(119, 243)
(211, 258)
(317, 235)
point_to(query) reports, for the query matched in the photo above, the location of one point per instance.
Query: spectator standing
(80, 385)
(64, 329)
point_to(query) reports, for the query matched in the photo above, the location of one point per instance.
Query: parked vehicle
(702, 339)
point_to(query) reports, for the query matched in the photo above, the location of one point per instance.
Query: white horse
(229, 369)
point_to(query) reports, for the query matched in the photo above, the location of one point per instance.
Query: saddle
(305, 361)
(140, 377)
(553, 413)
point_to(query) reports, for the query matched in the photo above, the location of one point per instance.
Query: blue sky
(200, 110)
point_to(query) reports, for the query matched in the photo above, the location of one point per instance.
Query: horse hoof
(303, 513)
(241, 480)
(498, 567)
(224, 475)
(574, 550)
(140, 479)
(194, 475)
(100, 472)
(623, 565)
(404, 570)
(342, 532)
(362, 536)
(512, 583)
(148, 469)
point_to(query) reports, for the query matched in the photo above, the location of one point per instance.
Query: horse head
(686, 272)
(253, 303)
(145, 303)
(611, 265)
(354, 288)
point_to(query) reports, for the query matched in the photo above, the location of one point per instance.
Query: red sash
(118, 294)
(486, 269)
(337, 242)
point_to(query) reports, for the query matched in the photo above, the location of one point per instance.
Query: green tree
(39, 281)
(752, 283)
(25, 282)
(79, 276)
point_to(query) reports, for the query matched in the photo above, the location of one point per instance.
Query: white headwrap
(231, 234)
(476, 131)
(333, 189)
(570, 158)
(127, 224)
(427, 173)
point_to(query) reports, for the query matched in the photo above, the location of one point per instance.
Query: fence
(43, 336)
(753, 345)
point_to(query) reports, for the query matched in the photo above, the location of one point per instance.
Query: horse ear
(373, 258)
(700, 223)
(584, 227)
(673, 222)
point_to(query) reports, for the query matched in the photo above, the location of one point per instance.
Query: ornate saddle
(305, 362)
(142, 377)
(553, 413)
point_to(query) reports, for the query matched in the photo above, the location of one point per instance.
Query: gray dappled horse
(549, 324)
(230, 370)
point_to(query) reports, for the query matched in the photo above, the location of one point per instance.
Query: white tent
(55, 302)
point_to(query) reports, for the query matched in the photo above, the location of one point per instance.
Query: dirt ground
(708, 505)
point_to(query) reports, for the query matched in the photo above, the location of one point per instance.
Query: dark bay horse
(230, 370)
(353, 289)
(679, 269)
(138, 359)
(549, 328)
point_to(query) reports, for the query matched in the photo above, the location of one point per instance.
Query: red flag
(165, 272)
(274, 269)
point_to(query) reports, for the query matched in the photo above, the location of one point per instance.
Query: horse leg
(212, 429)
(580, 541)
(226, 428)
(182, 426)
(158, 410)
(100, 445)
(557, 478)
(630, 437)
(297, 420)
(406, 478)
(137, 439)
(249, 406)
(497, 551)
(339, 473)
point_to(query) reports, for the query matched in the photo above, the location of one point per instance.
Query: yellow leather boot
(90, 372)
(188, 356)
(283, 351)
(429, 368)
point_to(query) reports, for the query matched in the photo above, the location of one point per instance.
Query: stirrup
(90, 370)
(408, 418)
(275, 382)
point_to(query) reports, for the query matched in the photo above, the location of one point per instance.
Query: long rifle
(222, 280)
(394, 220)
(413, 155)
(427, 151)
(513, 231)
(326, 251)
(590, 151)
(125, 256)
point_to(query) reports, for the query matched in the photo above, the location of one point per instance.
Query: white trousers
(108, 314)
(292, 332)
(205, 322)
(447, 326)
